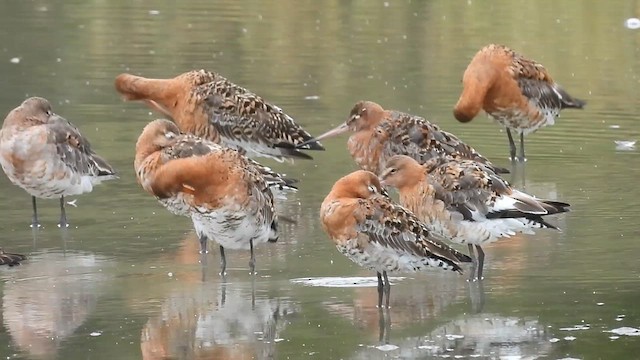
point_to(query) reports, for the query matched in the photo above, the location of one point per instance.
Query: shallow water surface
(125, 281)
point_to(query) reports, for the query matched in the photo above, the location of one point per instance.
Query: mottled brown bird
(517, 92)
(10, 259)
(46, 155)
(227, 195)
(466, 202)
(380, 134)
(374, 232)
(208, 105)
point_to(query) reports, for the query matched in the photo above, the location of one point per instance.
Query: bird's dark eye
(372, 189)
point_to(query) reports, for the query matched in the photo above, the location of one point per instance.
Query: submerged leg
(522, 158)
(34, 218)
(512, 145)
(223, 262)
(223, 291)
(387, 287)
(203, 243)
(384, 322)
(380, 290)
(63, 214)
(253, 293)
(480, 261)
(474, 263)
(252, 260)
(476, 294)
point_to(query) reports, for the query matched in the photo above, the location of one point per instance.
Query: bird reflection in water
(46, 300)
(208, 317)
(469, 336)
(416, 301)
(216, 321)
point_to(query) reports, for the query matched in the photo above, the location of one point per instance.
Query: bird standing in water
(466, 202)
(517, 92)
(375, 233)
(46, 155)
(227, 195)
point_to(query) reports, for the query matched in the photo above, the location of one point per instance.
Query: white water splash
(625, 330)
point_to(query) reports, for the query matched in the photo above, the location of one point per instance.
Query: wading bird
(466, 202)
(406, 134)
(517, 92)
(374, 232)
(227, 195)
(208, 105)
(46, 155)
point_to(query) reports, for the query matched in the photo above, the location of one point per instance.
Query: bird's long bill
(158, 107)
(340, 129)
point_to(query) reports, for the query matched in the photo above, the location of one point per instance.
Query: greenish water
(125, 281)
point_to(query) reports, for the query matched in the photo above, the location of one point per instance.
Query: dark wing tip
(555, 207)
(283, 187)
(102, 166)
(540, 221)
(500, 170)
(463, 257)
(310, 144)
(289, 151)
(103, 172)
(573, 103)
(568, 101)
(314, 145)
(290, 181)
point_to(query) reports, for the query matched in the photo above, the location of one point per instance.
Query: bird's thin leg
(203, 267)
(223, 262)
(34, 218)
(476, 294)
(384, 322)
(387, 287)
(480, 261)
(63, 214)
(223, 291)
(385, 325)
(380, 290)
(253, 293)
(203, 243)
(512, 145)
(522, 158)
(252, 260)
(474, 263)
(381, 325)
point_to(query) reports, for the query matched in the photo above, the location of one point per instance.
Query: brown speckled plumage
(380, 134)
(208, 105)
(466, 201)
(374, 232)
(226, 194)
(47, 156)
(517, 92)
